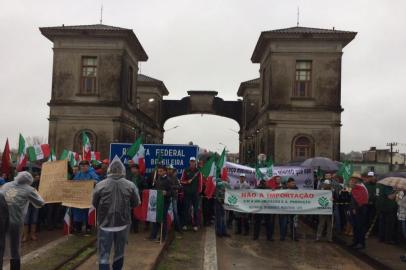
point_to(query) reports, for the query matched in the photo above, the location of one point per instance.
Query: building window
(302, 148)
(89, 75)
(130, 85)
(303, 79)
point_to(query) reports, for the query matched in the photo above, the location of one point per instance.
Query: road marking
(210, 250)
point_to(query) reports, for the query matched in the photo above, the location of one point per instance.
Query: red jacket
(359, 195)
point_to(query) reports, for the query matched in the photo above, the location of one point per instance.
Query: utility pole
(391, 145)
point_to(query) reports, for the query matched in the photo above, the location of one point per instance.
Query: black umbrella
(323, 163)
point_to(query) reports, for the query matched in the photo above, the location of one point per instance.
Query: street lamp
(225, 146)
(150, 100)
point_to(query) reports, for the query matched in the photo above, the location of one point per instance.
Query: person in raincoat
(4, 221)
(114, 199)
(18, 194)
(80, 215)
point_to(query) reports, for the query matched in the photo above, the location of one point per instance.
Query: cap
(192, 159)
(356, 176)
(242, 174)
(371, 174)
(84, 162)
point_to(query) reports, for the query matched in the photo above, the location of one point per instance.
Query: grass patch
(185, 253)
(54, 257)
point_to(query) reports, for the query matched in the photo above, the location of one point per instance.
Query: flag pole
(162, 226)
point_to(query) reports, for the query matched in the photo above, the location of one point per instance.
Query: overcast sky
(207, 45)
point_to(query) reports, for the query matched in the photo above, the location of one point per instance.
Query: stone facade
(293, 111)
(94, 88)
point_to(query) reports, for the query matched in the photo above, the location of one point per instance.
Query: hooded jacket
(114, 197)
(4, 216)
(18, 194)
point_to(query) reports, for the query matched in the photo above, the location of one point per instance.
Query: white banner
(302, 175)
(288, 201)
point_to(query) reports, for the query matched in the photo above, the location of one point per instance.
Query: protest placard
(78, 194)
(54, 175)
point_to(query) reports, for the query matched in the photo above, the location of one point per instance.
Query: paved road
(241, 252)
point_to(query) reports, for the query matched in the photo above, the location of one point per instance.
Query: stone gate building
(291, 112)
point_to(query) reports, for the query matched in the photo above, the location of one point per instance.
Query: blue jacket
(90, 175)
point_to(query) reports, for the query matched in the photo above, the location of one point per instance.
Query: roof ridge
(148, 77)
(78, 26)
(309, 29)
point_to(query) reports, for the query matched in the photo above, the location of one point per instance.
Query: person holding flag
(114, 198)
(80, 216)
(190, 183)
(141, 183)
(163, 183)
(176, 186)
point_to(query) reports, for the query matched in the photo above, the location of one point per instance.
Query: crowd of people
(361, 208)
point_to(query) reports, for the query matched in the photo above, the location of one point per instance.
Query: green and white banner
(266, 201)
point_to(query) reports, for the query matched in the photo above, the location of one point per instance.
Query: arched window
(78, 140)
(303, 148)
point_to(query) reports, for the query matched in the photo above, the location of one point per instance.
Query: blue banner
(165, 154)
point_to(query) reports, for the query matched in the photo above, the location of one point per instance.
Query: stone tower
(94, 88)
(293, 111)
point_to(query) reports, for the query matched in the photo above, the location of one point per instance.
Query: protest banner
(177, 155)
(295, 202)
(53, 177)
(302, 175)
(77, 194)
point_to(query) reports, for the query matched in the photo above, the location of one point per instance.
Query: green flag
(207, 168)
(133, 150)
(258, 174)
(52, 156)
(345, 171)
(64, 155)
(269, 168)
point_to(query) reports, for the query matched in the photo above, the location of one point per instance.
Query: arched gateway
(201, 102)
(291, 111)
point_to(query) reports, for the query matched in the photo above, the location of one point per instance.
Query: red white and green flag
(38, 152)
(221, 165)
(94, 156)
(67, 224)
(22, 157)
(91, 216)
(71, 156)
(209, 171)
(6, 159)
(152, 207)
(86, 146)
(137, 153)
